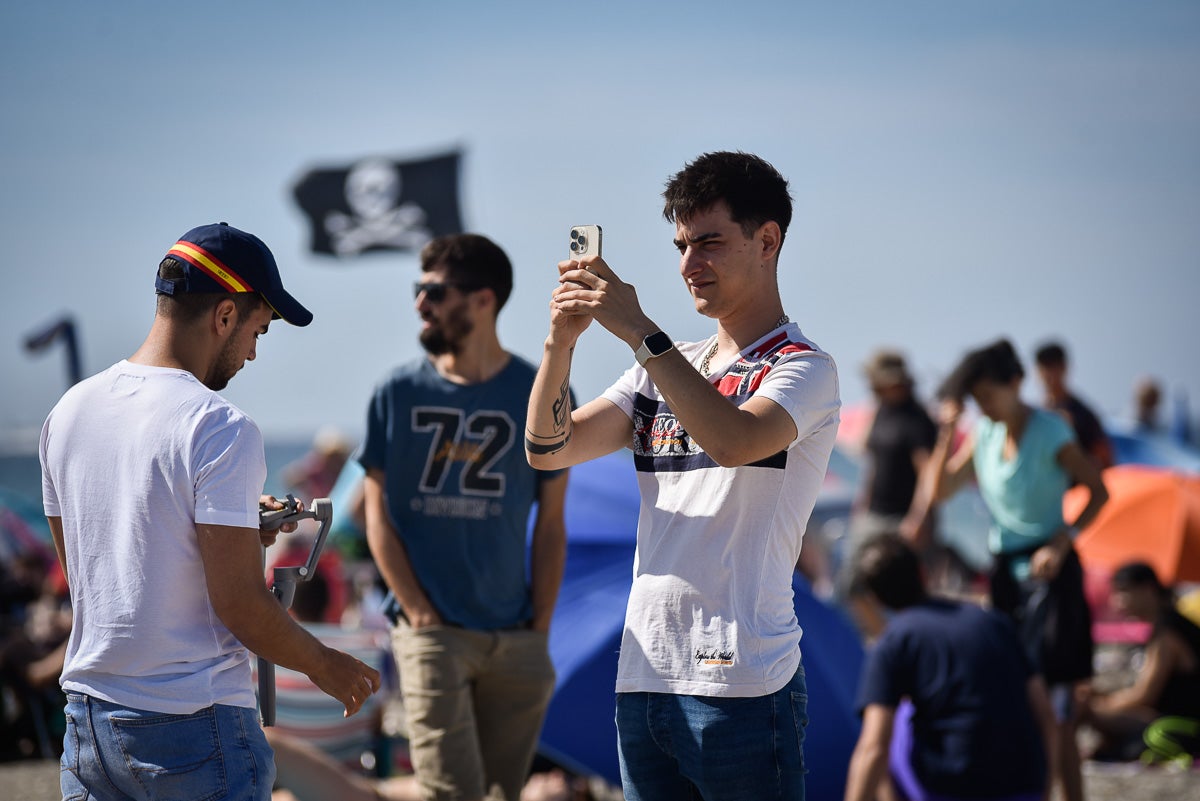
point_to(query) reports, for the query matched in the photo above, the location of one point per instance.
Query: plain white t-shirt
(132, 459)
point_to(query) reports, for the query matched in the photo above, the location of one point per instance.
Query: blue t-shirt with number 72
(459, 490)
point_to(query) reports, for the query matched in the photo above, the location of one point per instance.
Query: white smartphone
(586, 241)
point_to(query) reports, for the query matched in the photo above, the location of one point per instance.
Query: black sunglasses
(435, 291)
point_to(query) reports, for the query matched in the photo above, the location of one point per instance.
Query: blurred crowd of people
(35, 620)
(938, 661)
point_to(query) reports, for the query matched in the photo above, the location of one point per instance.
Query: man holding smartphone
(447, 498)
(731, 438)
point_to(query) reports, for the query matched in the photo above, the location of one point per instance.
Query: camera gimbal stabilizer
(285, 579)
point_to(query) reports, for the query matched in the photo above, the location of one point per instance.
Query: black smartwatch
(653, 346)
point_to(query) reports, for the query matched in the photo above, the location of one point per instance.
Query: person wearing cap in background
(314, 474)
(152, 482)
(898, 445)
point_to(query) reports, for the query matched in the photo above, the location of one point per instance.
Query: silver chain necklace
(712, 350)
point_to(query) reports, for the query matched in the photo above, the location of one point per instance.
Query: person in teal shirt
(1024, 459)
(1023, 493)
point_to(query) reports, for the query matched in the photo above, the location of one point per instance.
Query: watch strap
(653, 346)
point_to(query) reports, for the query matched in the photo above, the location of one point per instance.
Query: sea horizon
(20, 472)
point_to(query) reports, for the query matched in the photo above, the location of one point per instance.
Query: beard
(227, 365)
(448, 335)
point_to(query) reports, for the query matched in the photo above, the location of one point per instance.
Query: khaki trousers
(474, 703)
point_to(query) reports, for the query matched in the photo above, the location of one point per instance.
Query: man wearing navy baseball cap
(219, 258)
(152, 482)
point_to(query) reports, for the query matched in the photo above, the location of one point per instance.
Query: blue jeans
(719, 749)
(115, 752)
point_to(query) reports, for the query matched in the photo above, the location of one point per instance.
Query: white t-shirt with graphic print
(711, 609)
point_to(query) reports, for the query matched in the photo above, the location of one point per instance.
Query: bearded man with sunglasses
(448, 494)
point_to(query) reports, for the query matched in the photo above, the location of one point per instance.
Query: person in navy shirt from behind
(951, 707)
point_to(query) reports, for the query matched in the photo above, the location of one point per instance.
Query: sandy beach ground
(38, 781)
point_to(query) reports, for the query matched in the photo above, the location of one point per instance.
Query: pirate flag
(380, 204)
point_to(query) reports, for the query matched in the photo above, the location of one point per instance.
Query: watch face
(658, 343)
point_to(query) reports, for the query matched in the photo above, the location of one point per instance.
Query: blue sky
(961, 171)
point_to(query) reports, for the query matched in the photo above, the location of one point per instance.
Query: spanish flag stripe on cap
(201, 258)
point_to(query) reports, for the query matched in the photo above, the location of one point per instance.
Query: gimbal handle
(285, 579)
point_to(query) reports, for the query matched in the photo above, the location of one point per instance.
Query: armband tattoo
(548, 445)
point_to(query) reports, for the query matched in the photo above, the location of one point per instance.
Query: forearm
(260, 623)
(1126, 699)
(708, 416)
(233, 576)
(1096, 501)
(731, 435)
(1082, 470)
(396, 570)
(1146, 690)
(869, 762)
(868, 766)
(388, 552)
(547, 560)
(932, 483)
(947, 469)
(919, 510)
(916, 519)
(548, 424)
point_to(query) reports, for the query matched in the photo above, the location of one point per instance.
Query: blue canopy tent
(1131, 446)
(579, 733)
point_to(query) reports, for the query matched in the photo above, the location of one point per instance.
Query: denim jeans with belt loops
(113, 752)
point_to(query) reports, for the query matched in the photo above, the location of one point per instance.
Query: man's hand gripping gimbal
(285, 579)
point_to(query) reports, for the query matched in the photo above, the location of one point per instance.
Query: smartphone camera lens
(574, 246)
(582, 240)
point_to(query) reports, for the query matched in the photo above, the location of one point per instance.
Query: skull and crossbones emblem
(372, 193)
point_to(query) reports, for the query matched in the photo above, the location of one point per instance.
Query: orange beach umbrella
(1152, 515)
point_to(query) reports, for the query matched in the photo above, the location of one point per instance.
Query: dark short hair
(996, 362)
(1051, 354)
(1138, 574)
(890, 570)
(753, 190)
(186, 307)
(472, 260)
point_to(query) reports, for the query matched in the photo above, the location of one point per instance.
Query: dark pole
(63, 328)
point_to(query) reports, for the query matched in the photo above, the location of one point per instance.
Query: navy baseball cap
(221, 258)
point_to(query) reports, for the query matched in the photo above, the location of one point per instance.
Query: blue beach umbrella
(579, 733)
(1132, 446)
